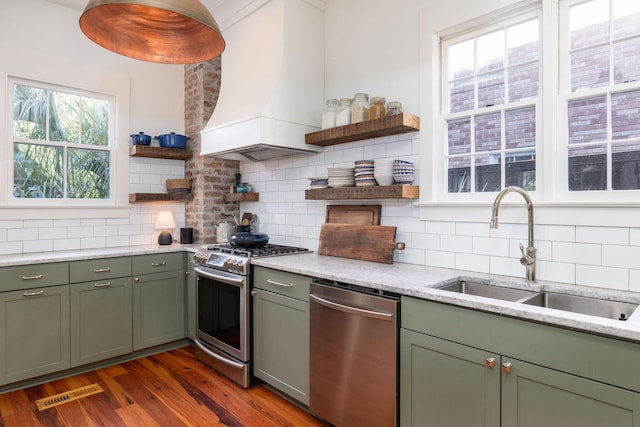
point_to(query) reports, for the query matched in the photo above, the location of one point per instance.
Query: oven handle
(212, 274)
(352, 310)
(215, 356)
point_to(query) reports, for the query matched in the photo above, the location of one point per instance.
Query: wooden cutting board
(354, 214)
(364, 242)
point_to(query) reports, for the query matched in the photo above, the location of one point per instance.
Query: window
(602, 89)
(63, 149)
(561, 118)
(492, 84)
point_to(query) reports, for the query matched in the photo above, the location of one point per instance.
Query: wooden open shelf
(391, 125)
(159, 197)
(241, 197)
(372, 192)
(159, 152)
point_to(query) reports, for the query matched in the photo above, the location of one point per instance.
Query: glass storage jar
(343, 114)
(377, 110)
(393, 108)
(329, 114)
(360, 108)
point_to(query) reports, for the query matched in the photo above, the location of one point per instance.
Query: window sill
(548, 213)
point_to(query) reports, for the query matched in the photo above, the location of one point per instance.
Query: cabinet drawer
(155, 263)
(282, 282)
(33, 276)
(99, 269)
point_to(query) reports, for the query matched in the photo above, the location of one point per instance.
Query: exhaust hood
(272, 83)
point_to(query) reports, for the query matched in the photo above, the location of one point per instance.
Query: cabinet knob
(254, 293)
(137, 280)
(490, 362)
(506, 367)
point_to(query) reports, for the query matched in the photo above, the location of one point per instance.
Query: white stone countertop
(421, 281)
(406, 279)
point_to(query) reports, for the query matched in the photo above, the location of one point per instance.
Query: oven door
(222, 304)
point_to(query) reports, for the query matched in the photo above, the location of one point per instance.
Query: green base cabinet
(447, 384)
(101, 319)
(281, 331)
(464, 367)
(191, 297)
(158, 308)
(34, 332)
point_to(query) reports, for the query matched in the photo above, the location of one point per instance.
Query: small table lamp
(165, 222)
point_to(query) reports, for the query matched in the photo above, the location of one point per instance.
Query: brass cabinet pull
(506, 367)
(158, 264)
(274, 282)
(33, 294)
(490, 362)
(101, 270)
(39, 276)
(102, 285)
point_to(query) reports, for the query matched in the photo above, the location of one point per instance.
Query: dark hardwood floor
(167, 389)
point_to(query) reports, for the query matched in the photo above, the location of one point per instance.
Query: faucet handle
(525, 259)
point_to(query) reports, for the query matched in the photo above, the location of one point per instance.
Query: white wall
(382, 50)
(40, 40)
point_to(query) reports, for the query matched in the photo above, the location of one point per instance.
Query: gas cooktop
(237, 260)
(265, 251)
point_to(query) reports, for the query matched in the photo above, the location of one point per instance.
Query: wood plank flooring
(167, 389)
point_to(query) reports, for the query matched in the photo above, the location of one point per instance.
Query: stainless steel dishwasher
(353, 357)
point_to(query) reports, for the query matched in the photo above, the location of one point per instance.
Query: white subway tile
(8, 248)
(602, 277)
(426, 241)
(462, 244)
(37, 223)
(555, 233)
(410, 256)
(79, 232)
(621, 256)
(11, 224)
(22, 234)
(52, 233)
(607, 235)
(489, 246)
(93, 243)
(440, 227)
(37, 246)
(556, 272)
(66, 244)
(470, 262)
(440, 259)
(472, 229)
(578, 253)
(506, 266)
(634, 280)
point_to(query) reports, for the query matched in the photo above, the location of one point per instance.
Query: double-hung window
(547, 99)
(63, 146)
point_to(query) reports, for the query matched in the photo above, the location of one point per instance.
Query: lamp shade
(163, 31)
(165, 222)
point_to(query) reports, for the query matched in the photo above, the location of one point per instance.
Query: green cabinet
(34, 332)
(191, 296)
(281, 331)
(158, 299)
(101, 319)
(465, 367)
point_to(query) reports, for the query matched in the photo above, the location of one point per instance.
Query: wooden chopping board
(354, 214)
(364, 242)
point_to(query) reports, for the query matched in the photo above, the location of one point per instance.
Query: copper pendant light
(163, 31)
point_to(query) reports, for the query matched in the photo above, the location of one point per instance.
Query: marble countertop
(406, 279)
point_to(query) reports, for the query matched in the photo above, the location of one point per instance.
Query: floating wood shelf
(391, 125)
(159, 197)
(160, 152)
(241, 197)
(368, 192)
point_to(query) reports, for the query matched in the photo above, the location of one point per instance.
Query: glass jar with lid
(329, 114)
(343, 114)
(393, 108)
(377, 110)
(360, 108)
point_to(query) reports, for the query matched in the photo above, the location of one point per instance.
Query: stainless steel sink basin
(488, 291)
(584, 305)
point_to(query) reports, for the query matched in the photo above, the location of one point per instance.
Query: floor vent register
(68, 396)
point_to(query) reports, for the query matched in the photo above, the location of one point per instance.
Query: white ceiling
(225, 12)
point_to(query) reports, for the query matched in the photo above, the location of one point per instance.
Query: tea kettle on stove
(224, 230)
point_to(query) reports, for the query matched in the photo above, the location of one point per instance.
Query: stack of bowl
(340, 177)
(403, 172)
(317, 183)
(364, 173)
(383, 171)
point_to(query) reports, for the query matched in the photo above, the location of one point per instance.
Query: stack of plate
(383, 171)
(403, 172)
(340, 177)
(315, 183)
(364, 173)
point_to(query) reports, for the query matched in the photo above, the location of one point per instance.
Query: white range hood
(272, 84)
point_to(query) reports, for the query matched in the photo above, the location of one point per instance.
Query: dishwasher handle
(379, 315)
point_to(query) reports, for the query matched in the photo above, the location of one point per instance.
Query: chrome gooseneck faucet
(528, 258)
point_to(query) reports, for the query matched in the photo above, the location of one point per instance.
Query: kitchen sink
(584, 305)
(488, 291)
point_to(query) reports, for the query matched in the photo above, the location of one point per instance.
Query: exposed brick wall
(210, 176)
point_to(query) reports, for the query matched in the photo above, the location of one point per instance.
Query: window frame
(552, 205)
(110, 148)
(90, 80)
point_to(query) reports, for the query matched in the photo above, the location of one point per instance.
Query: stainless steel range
(223, 305)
